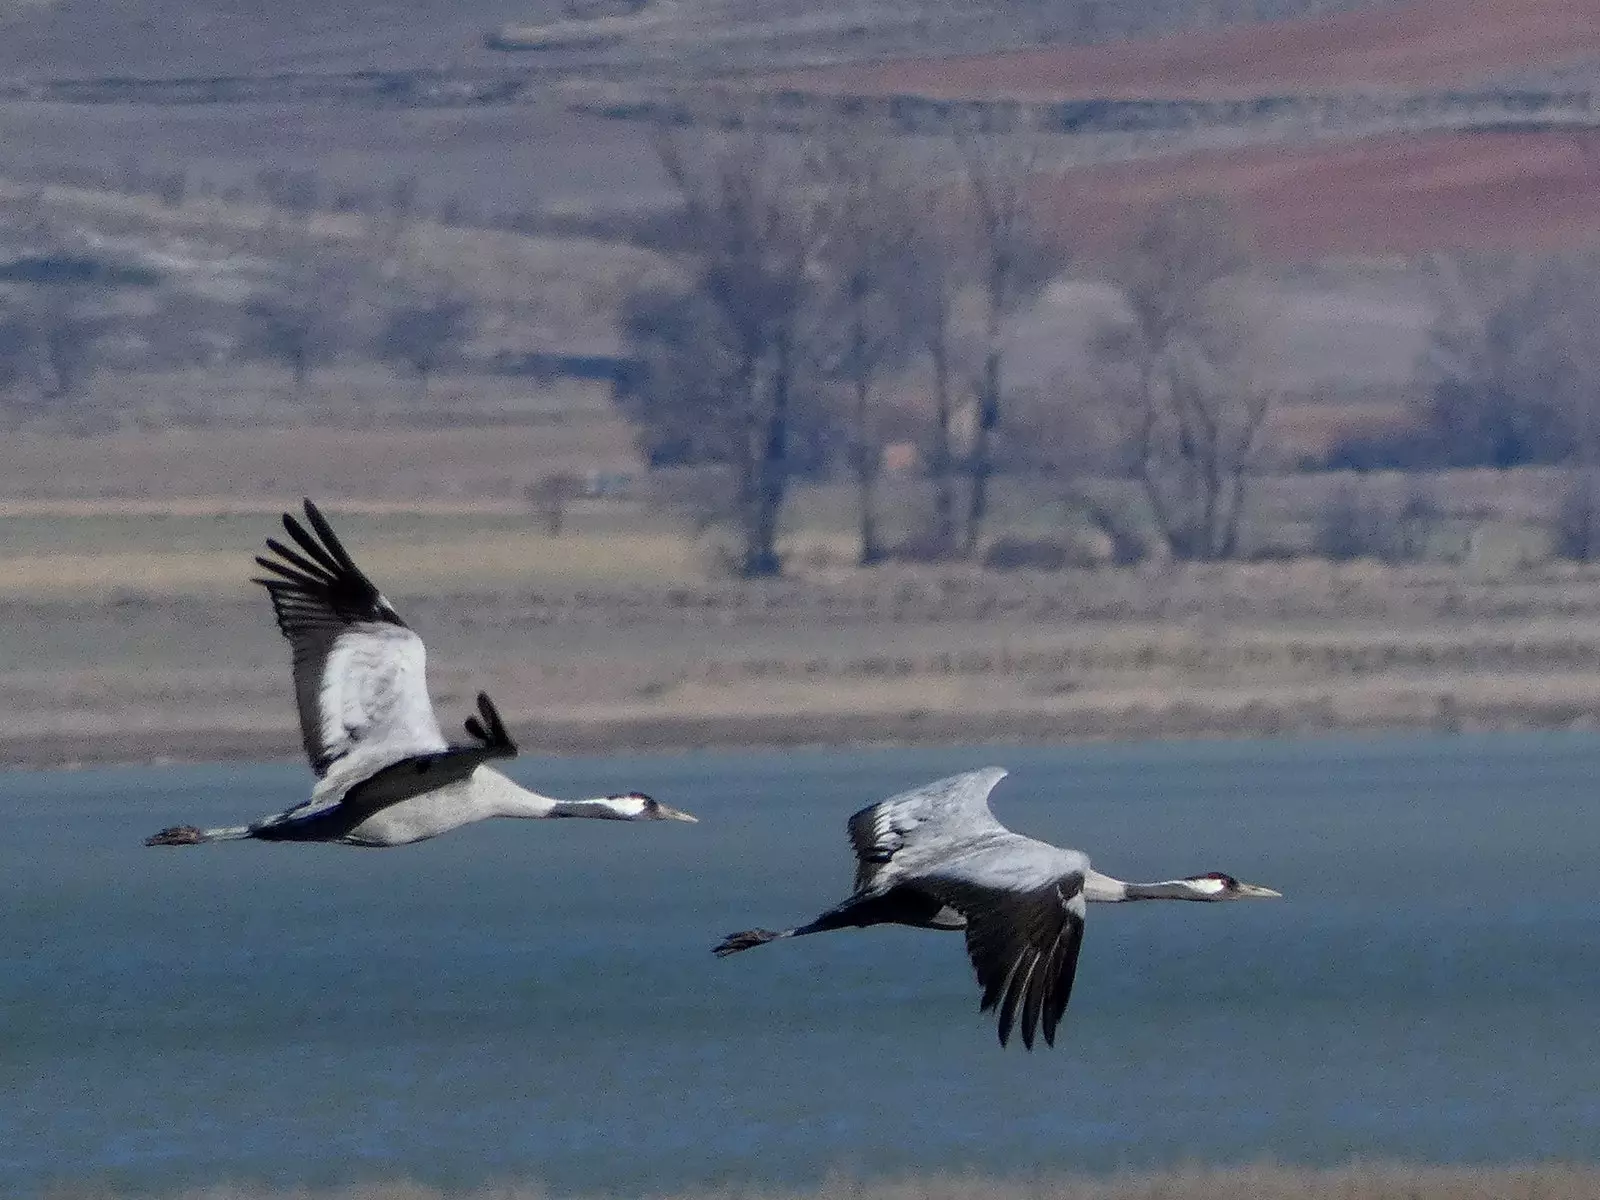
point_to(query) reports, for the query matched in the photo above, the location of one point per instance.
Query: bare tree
(870, 257)
(301, 320)
(1196, 416)
(67, 322)
(1512, 376)
(65, 298)
(1014, 254)
(1512, 370)
(549, 496)
(423, 334)
(1576, 527)
(1364, 519)
(733, 346)
(937, 274)
(391, 213)
(15, 342)
(677, 398)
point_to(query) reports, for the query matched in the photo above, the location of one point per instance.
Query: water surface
(537, 1000)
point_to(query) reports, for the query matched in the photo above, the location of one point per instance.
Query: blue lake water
(536, 1001)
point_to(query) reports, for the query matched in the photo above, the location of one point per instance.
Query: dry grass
(1359, 1182)
(232, 470)
(507, 560)
(127, 624)
(574, 416)
(581, 659)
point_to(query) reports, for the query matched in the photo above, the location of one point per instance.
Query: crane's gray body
(944, 832)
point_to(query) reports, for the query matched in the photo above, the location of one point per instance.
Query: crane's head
(636, 806)
(1214, 885)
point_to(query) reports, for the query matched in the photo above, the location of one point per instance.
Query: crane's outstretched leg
(190, 835)
(899, 906)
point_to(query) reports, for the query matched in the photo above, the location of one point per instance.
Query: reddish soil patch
(1397, 195)
(1426, 43)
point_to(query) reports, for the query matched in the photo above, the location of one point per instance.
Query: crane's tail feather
(747, 938)
(190, 835)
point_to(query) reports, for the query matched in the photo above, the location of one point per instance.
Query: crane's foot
(743, 940)
(176, 835)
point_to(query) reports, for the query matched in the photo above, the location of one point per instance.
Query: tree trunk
(864, 454)
(761, 552)
(866, 465)
(979, 468)
(944, 490)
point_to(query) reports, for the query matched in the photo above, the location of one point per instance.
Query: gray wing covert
(956, 807)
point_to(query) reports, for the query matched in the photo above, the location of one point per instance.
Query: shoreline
(1357, 1180)
(692, 733)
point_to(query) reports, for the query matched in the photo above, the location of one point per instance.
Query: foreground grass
(1357, 1182)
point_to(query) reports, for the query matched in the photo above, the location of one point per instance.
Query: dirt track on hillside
(1424, 44)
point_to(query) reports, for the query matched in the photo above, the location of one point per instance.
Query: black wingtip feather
(323, 555)
(329, 538)
(315, 569)
(1033, 1001)
(318, 582)
(1063, 970)
(490, 729)
(1017, 988)
(1024, 950)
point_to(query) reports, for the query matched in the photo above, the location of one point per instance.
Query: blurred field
(136, 634)
(1361, 1182)
(129, 628)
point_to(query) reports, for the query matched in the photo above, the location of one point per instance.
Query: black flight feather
(491, 730)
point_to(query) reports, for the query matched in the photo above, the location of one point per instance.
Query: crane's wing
(1025, 909)
(360, 678)
(950, 809)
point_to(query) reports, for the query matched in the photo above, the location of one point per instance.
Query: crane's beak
(1251, 891)
(667, 813)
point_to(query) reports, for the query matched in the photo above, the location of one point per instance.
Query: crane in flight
(935, 857)
(385, 774)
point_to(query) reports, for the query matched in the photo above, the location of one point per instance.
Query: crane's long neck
(504, 798)
(1106, 890)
